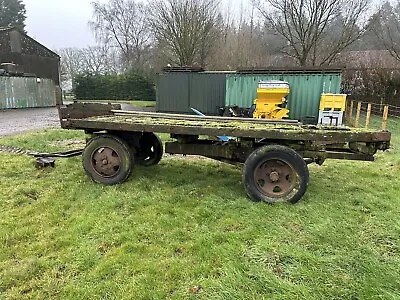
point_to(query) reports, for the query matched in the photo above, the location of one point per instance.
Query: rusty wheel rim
(106, 162)
(148, 153)
(148, 148)
(275, 178)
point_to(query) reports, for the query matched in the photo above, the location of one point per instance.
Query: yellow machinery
(331, 109)
(333, 102)
(271, 102)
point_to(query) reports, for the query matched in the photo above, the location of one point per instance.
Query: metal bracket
(45, 162)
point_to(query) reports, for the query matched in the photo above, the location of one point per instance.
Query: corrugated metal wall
(172, 92)
(177, 92)
(305, 90)
(207, 92)
(26, 92)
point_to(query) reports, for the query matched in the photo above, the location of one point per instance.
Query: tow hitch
(43, 160)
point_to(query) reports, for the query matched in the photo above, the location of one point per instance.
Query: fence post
(358, 114)
(368, 118)
(350, 112)
(385, 117)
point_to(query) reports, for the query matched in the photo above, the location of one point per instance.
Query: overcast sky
(64, 23)
(59, 23)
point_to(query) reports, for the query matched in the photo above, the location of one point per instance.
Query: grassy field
(185, 230)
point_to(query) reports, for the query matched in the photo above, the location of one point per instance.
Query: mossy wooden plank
(235, 129)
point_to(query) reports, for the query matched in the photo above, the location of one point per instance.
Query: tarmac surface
(15, 121)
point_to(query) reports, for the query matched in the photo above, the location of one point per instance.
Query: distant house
(22, 53)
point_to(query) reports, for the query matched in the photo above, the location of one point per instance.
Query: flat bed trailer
(274, 153)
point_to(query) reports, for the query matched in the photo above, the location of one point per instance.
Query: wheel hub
(275, 178)
(106, 162)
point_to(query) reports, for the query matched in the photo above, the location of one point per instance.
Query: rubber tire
(285, 154)
(152, 139)
(118, 145)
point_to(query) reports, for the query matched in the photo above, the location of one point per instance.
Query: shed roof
(4, 30)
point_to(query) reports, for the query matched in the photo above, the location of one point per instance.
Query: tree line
(135, 34)
(12, 13)
(146, 36)
(150, 35)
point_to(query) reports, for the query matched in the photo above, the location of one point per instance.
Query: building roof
(12, 28)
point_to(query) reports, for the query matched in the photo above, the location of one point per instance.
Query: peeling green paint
(26, 92)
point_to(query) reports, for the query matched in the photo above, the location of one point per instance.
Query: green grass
(137, 103)
(185, 230)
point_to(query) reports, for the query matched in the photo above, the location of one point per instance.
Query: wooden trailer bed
(274, 152)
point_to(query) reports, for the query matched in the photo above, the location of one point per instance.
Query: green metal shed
(26, 92)
(306, 88)
(177, 92)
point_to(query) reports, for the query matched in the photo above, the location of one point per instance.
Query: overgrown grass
(136, 103)
(184, 229)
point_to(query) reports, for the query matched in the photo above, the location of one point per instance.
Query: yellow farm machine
(271, 102)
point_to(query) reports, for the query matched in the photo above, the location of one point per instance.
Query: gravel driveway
(20, 120)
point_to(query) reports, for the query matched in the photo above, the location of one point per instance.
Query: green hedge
(129, 86)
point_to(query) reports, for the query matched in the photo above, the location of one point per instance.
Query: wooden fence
(359, 113)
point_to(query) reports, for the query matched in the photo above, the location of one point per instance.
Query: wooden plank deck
(194, 125)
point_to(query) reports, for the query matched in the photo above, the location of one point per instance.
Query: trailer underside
(274, 152)
(247, 134)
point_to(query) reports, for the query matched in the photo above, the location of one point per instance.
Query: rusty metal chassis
(237, 151)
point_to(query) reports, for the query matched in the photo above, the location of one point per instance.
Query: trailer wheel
(107, 159)
(150, 151)
(275, 173)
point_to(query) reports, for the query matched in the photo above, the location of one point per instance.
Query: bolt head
(274, 176)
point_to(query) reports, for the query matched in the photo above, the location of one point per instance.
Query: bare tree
(387, 28)
(123, 24)
(71, 65)
(99, 60)
(93, 60)
(246, 42)
(316, 31)
(186, 29)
